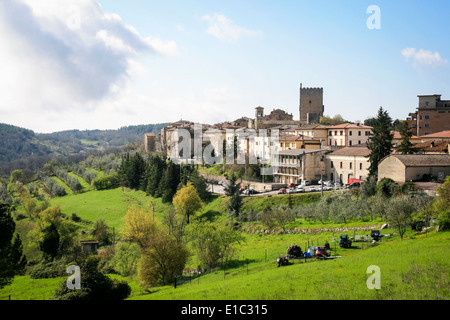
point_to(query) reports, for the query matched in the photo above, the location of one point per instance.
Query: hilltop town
(308, 151)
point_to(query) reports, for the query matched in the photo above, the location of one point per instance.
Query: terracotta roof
(397, 135)
(442, 134)
(349, 126)
(351, 151)
(423, 160)
(432, 145)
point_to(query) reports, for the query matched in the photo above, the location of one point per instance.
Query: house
(348, 134)
(288, 142)
(348, 163)
(438, 136)
(414, 167)
(316, 131)
(431, 147)
(297, 165)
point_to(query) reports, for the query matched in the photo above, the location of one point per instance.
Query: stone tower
(259, 116)
(311, 105)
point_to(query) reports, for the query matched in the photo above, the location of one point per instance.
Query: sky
(105, 64)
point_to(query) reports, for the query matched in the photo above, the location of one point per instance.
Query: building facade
(432, 115)
(347, 163)
(348, 134)
(414, 167)
(298, 165)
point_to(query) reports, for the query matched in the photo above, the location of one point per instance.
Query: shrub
(110, 181)
(45, 270)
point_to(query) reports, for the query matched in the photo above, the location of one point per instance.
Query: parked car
(282, 190)
(291, 185)
(291, 190)
(354, 185)
(312, 189)
(300, 188)
(250, 191)
(306, 182)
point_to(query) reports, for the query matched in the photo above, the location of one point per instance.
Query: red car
(282, 190)
(291, 185)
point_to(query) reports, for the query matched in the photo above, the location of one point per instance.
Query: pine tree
(405, 146)
(380, 142)
(12, 260)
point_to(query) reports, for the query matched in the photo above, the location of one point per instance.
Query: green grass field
(416, 267)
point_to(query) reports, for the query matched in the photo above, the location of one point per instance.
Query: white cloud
(423, 57)
(225, 29)
(58, 58)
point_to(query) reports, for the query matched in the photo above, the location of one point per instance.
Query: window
(359, 141)
(359, 133)
(331, 142)
(360, 166)
(350, 133)
(367, 133)
(341, 165)
(441, 111)
(350, 165)
(427, 116)
(330, 133)
(341, 133)
(335, 133)
(427, 125)
(350, 143)
(331, 164)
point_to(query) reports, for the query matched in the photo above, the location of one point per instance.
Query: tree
(54, 234)
(138, 226)
(101, 233)
(213, 243)
(441, 205)
(332, 121)
(233, 185)
(233, 191)
(169, 182)
(94, 285)
(12, 260)
(200, 185)
(162, 261)
(399, 213)
(175, 224)
(187, 201)
(405, 146)
(380, 142)
(235, 204)
(387, 187)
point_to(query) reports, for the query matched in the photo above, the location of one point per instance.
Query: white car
(300, 188)
(312, 189)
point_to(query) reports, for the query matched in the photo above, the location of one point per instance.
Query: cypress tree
(380, 142)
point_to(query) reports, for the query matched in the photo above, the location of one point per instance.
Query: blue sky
(104, 64)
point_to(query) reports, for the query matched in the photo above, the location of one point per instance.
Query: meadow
(415, 267)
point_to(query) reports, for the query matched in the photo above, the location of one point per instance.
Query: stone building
(432, 115)
(414, 167)
(311, 105)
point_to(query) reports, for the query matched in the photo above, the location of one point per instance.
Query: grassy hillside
(413, 268)
(416, 267)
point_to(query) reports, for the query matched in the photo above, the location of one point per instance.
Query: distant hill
(24, 149)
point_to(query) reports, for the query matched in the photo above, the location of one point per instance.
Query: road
(219, 189)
